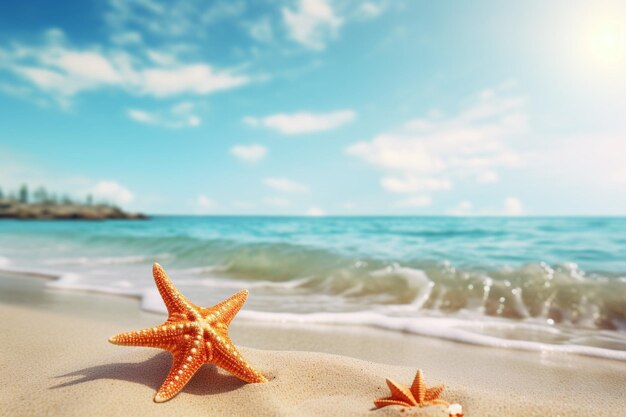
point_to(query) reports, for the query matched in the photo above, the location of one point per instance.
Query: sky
(318, 107)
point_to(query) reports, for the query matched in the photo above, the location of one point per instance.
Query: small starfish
(417, 396)
(193, 335)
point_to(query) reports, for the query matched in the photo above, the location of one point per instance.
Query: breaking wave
(456, 281)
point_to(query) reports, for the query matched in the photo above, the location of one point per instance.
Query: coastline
(50, 210)
(328, 370)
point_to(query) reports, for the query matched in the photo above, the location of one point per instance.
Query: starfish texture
(419, 395)
(193, 335)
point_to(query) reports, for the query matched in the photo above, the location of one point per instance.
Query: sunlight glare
(606, 43)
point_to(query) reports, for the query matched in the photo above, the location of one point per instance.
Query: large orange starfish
(417, 396)
(194, 336)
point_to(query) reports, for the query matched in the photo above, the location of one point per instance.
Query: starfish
(417, 396)
(193, 335)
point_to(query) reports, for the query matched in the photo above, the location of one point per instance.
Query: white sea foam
(241, 284)
(207, 269)
(4, 262)
(443, 328)
(416, 279)
(466, 330)
(73, 281)
(468, 326)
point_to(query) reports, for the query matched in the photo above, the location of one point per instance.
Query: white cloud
(303, 122)
(161, 58)
(52, 81)
(416, 201)
(487, 177)
(184, 107)
(285, 185)
(513, 207)
(369, 10)
(221, 10)
(171, 19)
(432, 152)
(127, 38)
(312, 24)
(112, 191)
(194, 121)
(411, 184)
(277, 202)
(187, 79)
(62, 71)
(464, 208)
(315, 212)
(249, 153)
(204, 203)
(87, 65)
(142, 116)
(470, 141)
(178, 116)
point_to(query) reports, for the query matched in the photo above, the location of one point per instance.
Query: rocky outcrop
(10, 209)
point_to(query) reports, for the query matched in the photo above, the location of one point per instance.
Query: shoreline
(428, 327)
(486, 381)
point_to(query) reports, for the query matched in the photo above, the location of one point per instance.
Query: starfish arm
(418, 388)
(164, 336)
(398, 392)
(226, 356)
(433, 393)
(184, 365)
(227, 309)
(384, 402)
(176, 303)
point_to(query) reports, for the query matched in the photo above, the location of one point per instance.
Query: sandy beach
(55, 360)
(313, 208)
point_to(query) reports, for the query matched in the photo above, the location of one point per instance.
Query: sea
(551, 284)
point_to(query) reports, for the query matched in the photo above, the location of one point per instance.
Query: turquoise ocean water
(556, 284)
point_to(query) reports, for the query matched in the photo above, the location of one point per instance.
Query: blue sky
(343, 107)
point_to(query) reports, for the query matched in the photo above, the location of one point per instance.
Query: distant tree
(89, 200)
(1, 194)
(40, 195)
(23, 194)
(53, 199)
(66, 199)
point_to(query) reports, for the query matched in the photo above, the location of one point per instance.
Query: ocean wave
(388, 273)
(73, 281)
(560, 294)
(433, 307)
(4, 262)
(557, 294)
(107, 260)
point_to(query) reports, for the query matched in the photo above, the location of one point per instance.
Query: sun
(605, 42)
